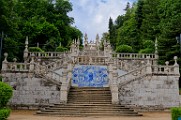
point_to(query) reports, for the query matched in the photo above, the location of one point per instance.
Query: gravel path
(30, 115)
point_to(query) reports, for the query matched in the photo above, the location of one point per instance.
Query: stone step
(89, 109)
(88, 101)
(87, 114)
(86, 104)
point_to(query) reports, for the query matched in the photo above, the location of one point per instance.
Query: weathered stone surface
(159, 91)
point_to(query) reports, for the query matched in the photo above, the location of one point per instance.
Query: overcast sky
(92, 16)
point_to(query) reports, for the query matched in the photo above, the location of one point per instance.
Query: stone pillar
(25, 55)
(32, 66)
(176, 66)
(5, 62)
(113, 74)
(148, 68)
(64, 87)
(114, 86)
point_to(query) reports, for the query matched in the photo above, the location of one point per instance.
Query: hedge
(4, 113)
(124, 49)
(35, 49)
(61, 49)
(176, 112)
(6, 92)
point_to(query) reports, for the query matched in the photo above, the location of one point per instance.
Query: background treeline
(45, 22)
(142, 23)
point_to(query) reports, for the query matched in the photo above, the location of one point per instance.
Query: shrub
(176, 112)
(148, 44)
(5, 94)
(35, 49)
(4, 113)
(124, 49)
(147, 50)
(61, 49)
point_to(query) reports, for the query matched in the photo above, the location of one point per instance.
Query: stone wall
(151, 93)
(31, 92)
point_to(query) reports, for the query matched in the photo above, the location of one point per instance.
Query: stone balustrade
(16, 67)
(91, 53)
(160, 69)
(132, 74)
(85, 60)
(133, 56)
(55, 65)
(55, 76)
(47, 54)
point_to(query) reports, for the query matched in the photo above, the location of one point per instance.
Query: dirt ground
(30, 115)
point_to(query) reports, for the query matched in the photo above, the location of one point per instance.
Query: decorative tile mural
(90, 76)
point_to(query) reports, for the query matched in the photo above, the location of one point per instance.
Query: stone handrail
(126, 66)
(90, 60)
(132, 74)
(57, 82)
(55, 76)
(17, 67)
(47, 54)
(133, 56)
(91, 53)
(55, 65)
(42, 71)
(161, 69)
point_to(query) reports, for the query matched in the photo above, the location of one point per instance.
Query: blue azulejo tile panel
(90, 76)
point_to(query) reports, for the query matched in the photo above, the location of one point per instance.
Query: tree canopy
(143, 22)
(44, 21)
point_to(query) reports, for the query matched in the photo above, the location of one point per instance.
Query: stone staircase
(88, 101)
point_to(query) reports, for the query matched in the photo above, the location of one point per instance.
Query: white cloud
(92, 16)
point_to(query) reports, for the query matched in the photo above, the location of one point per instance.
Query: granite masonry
(135, 80)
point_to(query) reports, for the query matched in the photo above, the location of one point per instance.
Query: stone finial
(5, 57)
(78, 41)
(15, 60)
(5, 62)
(26, 42)
(175, 59)
(60, 44)
(25, 56)
(85, 39)
(166, 63)
(97, 38)
(156, 46)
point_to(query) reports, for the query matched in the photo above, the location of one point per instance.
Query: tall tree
(149, 27)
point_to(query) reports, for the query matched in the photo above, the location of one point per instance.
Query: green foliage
(148, 44)
(124, 49)
(4, 113)
(147, 50)
(35, 49)
(148, 20)
(61, 49)
(176, 112)
(5, 93)
(45, 22)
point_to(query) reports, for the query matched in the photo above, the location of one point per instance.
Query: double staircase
(88, 101)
